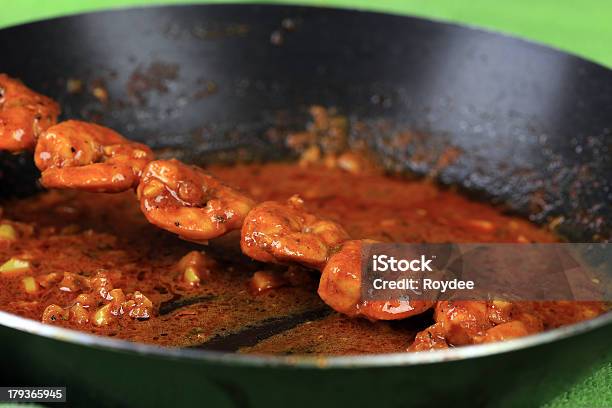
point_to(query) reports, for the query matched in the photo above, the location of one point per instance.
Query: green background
(581, 27)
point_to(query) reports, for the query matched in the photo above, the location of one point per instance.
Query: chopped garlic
(194, 267)
(7, 233)
(30, 285)
(103, 316)
(265, 280)
(191, 276)
(14, 265)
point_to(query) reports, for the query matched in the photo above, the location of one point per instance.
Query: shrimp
(24, 115)
(187, 201)
(475, 322)
(432, 338)
(90, 157)
(285, 233)
(340, 288)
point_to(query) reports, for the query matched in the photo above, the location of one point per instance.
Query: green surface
(581, 27)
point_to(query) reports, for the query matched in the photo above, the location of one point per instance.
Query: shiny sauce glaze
(68, 236)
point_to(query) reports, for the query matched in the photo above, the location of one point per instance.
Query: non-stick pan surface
(532, 127)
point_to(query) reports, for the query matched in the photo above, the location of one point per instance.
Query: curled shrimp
(340, 288)
(86, 156)
(187, 201)
(475, 322)
(285, 233)
(24, 115)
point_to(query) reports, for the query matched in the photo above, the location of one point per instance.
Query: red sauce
(83, 233)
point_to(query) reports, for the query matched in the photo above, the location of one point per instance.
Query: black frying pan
(532, 124)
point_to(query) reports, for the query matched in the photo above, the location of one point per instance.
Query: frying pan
(532, 127)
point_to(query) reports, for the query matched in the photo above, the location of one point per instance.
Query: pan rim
(75, 337)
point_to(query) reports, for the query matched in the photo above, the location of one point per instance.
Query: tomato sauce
(80, 233)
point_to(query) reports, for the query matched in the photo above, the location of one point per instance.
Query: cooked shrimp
(286, 233)
(340, 288)
(475, 322)
(24, 115)
(462, 321)
(86, 156)
(187, 201)
(432, 338)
